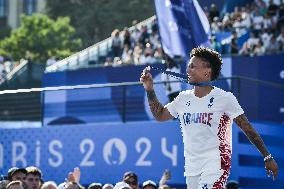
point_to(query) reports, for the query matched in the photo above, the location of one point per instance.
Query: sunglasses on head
(134, 182)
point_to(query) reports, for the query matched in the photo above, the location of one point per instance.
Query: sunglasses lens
(131, 182)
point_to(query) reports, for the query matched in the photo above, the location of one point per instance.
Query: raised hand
(77, 174)
(146, 79)
(74, 176)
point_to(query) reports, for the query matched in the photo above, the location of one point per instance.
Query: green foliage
(4, 32)
(40, 37)
(94, 20)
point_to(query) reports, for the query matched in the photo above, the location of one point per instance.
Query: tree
(4, 32)
(41, 37)
(94, 20)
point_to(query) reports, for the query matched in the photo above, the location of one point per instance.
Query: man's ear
(208, 72)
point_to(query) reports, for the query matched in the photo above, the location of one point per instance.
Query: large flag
(183, 25)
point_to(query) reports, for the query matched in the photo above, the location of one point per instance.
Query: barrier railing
(95, 102)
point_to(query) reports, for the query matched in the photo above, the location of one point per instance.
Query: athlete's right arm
(159, 112)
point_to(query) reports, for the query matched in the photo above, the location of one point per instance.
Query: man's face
(198, 70)
(19, 176)
(32, 181)
(132, 182)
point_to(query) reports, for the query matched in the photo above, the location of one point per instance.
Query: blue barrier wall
(94, 105)
(261, 102)
(102, 104)
(105, 151)
(248, 166)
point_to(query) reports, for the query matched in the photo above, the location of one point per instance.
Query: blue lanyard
(182, 77)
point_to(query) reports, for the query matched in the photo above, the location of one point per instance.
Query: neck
(201, 91)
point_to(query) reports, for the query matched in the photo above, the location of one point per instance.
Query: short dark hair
(212, 57)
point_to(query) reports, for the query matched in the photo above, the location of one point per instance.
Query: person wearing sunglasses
(131, 178)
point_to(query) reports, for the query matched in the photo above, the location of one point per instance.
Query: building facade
(11, 11)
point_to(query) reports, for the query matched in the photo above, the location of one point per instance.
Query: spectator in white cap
(49, 185)
(108, 186)
(122, 185)
(95, 185)
(131, 178)
(149, 184)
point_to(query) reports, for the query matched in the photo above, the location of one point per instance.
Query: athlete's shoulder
(223, 93)
(187, 92)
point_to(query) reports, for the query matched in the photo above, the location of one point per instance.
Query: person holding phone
(206, 114)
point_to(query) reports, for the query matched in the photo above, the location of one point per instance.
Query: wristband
(267, 158)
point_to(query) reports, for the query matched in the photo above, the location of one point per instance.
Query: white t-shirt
(258, 21)
(206, 128)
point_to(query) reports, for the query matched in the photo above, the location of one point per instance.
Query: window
(3, 8)
(29, 6)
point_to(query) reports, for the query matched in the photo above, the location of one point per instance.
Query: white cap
(149, 183)
(107, 185)
(121, 185)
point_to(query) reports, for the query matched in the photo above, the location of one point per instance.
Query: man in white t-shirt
(206, 114)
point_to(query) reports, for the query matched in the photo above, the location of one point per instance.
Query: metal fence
(127, 99)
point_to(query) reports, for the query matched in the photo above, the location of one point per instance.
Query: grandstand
(92, 113)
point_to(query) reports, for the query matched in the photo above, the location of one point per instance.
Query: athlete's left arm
(254, 137)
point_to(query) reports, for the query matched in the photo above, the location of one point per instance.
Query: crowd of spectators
(263, 21)
(138, 46)
(32, 178)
